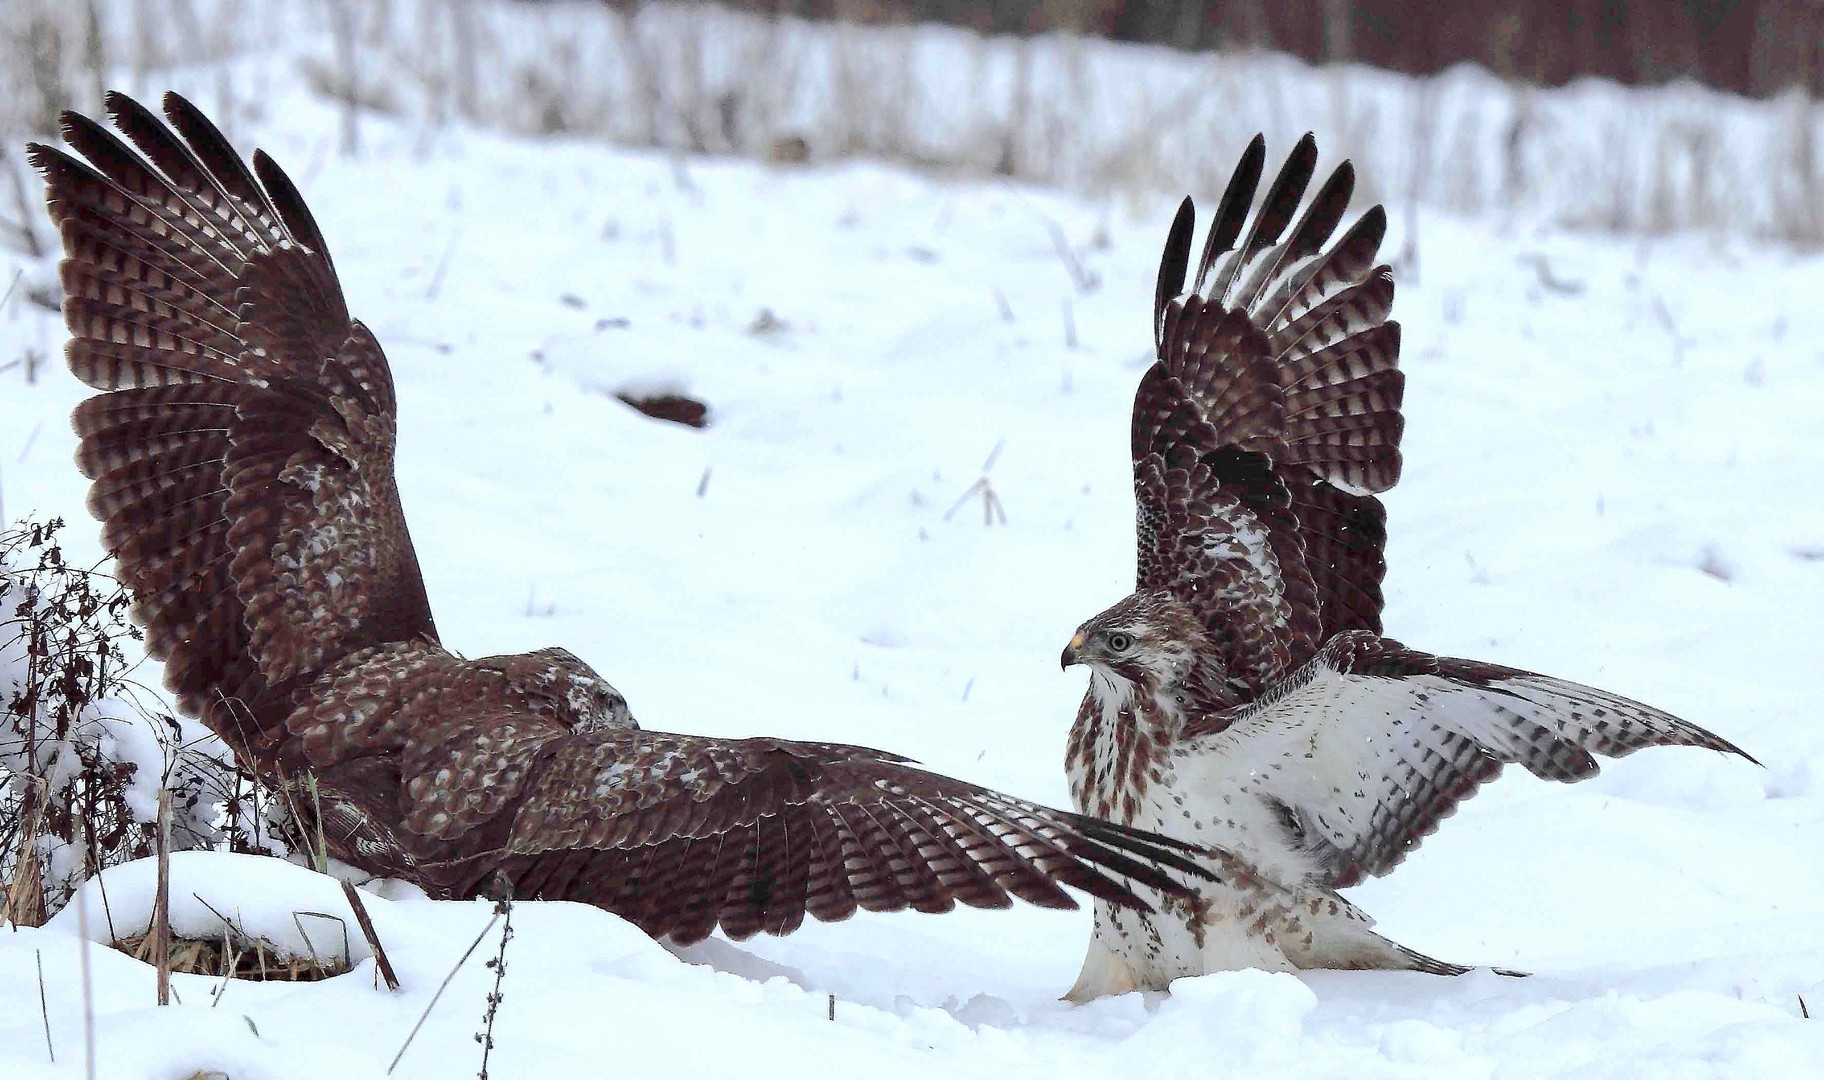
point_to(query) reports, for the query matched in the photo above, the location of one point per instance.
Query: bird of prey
(241, 454)
(1242, 696)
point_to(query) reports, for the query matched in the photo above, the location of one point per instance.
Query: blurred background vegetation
(1753, 47)
(1635, 116)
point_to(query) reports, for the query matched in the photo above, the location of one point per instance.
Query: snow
(1606, 470)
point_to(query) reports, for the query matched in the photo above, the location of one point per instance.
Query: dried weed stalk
(75, 736)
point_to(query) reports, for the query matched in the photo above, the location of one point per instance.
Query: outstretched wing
(447, 771)
(1335, 355)
(242, 453)
(1215, 523)
(681, 834)
(1382, 742)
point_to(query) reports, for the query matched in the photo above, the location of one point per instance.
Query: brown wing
(681, 834)
(242, 456)
(1335, 354)
(1216, 527)
(446, 770)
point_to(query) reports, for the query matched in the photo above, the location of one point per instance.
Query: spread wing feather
(682, 834)
(1215, 525)
(1388, 740)
(242, 453)
(1231, 212)
(1275, 213)
(1313, 383)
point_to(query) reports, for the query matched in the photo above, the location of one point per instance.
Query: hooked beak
(1069, 656)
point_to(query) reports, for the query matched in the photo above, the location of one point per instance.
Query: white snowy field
(1611, 461)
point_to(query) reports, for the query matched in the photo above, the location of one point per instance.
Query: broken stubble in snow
(239, 958)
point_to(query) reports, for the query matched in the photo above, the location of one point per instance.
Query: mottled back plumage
(241, 454)
(1243, 696)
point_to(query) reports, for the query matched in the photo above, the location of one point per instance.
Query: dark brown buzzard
(1243, 696)
(242, 460)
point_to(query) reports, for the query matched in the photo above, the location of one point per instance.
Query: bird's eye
(1119, 642)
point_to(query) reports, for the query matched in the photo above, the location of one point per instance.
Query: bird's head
(1148, 639)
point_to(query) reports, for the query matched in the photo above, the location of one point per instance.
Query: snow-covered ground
(1610, 461)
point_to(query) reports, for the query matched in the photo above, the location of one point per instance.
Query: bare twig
(297, 920)
(992, 510)
(227, 963)
(1666, 321)
(432, 1004)
(1548, 280)
(319, 857)
(367, 931)
(486, 1036)
(1085, 279)
(44, 1011)
(101, 883)
(1001, 305)
(161, 902)
(443, 266)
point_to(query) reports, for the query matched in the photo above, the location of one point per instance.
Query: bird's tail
(1345, 939)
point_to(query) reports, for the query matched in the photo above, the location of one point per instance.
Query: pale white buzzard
(1243, 696)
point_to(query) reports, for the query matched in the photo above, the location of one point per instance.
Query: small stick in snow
(832, 1012)
(227, 951)
(432, 1004)
(1084, 279)
(198, 898)
(991, 503)
(297, 816)
(373, 940)
(443, 266)
(297, 920)
(88, 830)
(703, 484)
(227, 963)
(1804, 1013)
(486, 1037)
(44, 1011)
(1000, 302)
(319, 857)
(161, 902)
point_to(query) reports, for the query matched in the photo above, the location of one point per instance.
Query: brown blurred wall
(1756, 47)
